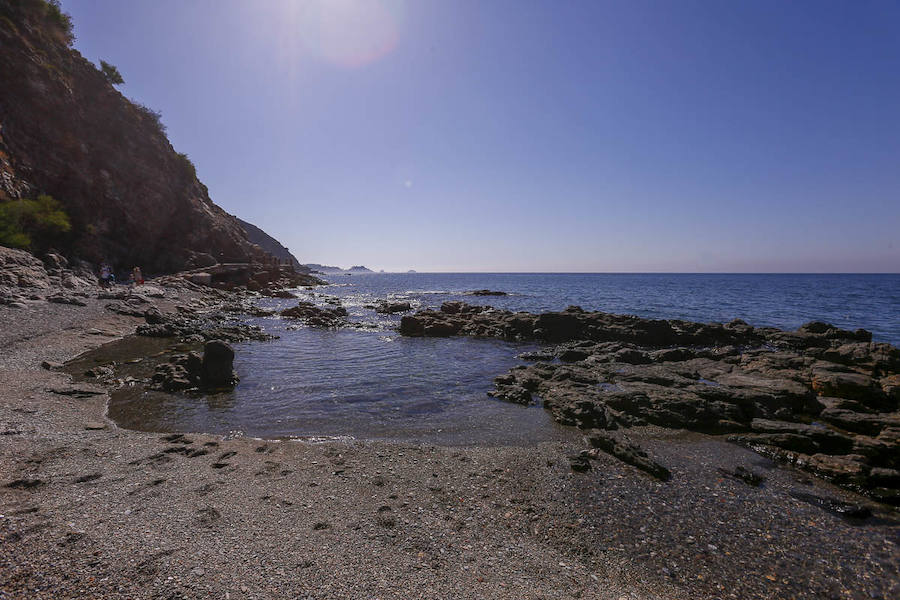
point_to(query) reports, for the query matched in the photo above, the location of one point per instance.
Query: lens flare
(350, 33)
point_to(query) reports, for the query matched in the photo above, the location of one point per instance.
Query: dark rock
(579, 463)
(217, 367)
(486, 293)
(317, 316)
(820, 398)
(628, 452)
(516, 394)
(573, 355)
(390, 308)
(833, 505)
(153, 316)
(171, 377)
(745, 475)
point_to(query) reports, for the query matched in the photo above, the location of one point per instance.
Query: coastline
(117, 513)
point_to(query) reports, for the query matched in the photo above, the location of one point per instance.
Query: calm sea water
(373, 383)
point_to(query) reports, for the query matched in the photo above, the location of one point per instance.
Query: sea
(368, 382)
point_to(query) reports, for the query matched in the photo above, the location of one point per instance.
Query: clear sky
(473, 135)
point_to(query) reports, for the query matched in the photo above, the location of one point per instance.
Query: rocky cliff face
(269, 244)
(65, 131)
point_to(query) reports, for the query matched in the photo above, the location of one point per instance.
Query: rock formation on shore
(821, 398)
(67, 132)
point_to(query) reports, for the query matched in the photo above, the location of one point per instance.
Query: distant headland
(330, 269)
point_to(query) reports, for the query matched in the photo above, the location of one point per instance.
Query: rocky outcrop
(392, 307)
(189, 325)
(20, 269)
(67, 132)
(317, 316)
(821, 398)
(213, 370)
(574, 323)
(24, 278)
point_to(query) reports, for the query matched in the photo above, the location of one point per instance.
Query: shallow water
(372, 383)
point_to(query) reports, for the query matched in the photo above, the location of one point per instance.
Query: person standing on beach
(136, 276)
(104, 274)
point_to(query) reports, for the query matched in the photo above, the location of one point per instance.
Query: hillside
(269, 244)
(67, 132)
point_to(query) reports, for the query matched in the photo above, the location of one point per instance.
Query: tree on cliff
(111, 73)
(32, 224)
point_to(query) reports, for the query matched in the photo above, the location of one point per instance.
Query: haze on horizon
(758, 136)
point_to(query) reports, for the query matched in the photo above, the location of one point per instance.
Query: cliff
(67, 132)
(271, 245)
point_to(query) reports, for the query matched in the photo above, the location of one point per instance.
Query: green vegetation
(154, 116)
(187, 164)
(32, 223)
(61, 20)
(111, 73)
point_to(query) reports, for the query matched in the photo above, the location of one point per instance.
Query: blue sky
(532, 136)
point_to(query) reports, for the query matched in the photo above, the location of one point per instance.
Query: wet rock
(486, 293)
(390, 308)
(516, 394)
(173, 377)
(217, 366)
(317, 316)
(628, 452)
(77, 391)
(833, 505)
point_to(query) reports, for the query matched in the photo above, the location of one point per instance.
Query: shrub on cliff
(32, 224)
(187, 165)
(111, 73)
(61, 20)
(154, 116)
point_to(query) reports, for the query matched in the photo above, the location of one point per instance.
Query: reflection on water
(363, 384)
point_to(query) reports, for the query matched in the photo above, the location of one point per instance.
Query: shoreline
(118, 513)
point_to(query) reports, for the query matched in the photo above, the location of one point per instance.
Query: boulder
(217, 366)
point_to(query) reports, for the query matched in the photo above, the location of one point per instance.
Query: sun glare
(349, 33)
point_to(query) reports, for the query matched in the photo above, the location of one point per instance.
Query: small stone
(94, 425)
